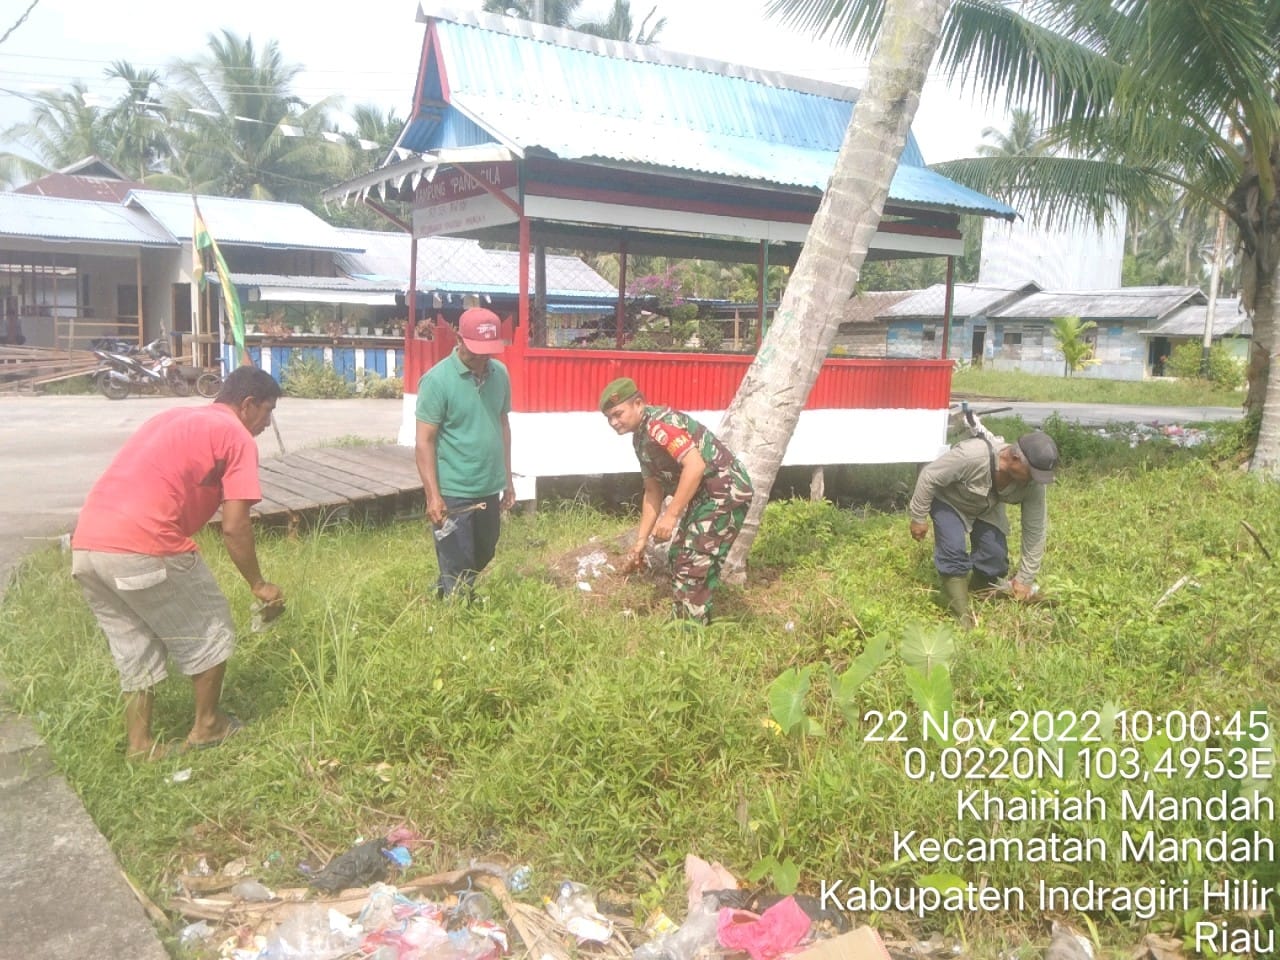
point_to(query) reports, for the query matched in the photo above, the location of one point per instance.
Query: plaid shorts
(153, 609)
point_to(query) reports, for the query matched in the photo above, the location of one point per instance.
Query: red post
(522, 326)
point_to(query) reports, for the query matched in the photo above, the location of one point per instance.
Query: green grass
(1015, 385)
(585, 734)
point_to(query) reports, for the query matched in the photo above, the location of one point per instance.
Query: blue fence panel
(376, 361)
(399, 363)
(344, 361)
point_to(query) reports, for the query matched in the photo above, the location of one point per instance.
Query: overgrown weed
(596, 740)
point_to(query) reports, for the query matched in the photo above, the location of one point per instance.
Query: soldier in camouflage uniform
(681, 458)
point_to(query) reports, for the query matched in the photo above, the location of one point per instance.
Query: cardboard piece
(861, 944)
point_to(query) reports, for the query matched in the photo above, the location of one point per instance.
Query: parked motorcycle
(147, 369)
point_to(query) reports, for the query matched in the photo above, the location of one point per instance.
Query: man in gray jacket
(964, 491)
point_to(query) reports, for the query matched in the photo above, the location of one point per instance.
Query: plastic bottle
(518, 878)
(575, 910)
(695, 935)
(445, 529)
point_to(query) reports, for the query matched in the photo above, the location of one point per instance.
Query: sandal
(234, 726)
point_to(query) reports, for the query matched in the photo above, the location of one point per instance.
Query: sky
(368, 52)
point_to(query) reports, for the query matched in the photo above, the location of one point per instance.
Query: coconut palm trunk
(1266, 455)
(764, 412)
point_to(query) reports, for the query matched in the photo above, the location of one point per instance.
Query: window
(1013, 338)
(929, 333)
(1033, 336)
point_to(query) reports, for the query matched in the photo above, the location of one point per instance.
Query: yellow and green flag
(202, 244)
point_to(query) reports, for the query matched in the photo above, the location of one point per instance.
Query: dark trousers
(469, 548)
(951, 550)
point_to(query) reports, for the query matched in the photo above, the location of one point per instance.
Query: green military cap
(620, 390)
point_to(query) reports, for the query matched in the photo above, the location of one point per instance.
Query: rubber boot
(981, 582)
(955, 592)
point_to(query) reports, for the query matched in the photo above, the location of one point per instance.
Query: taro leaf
(843, 686)
(786, 877)
(762, 869)
(931, 691)
(927, 647)
(786, 699)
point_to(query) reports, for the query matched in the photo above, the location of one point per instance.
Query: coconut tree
(555, 13)
(1022, 139)
(1069, 335)
(620, 25)
(1136, 97)
(64, 127)
(764, 412)
(243, 132)
(137, 121)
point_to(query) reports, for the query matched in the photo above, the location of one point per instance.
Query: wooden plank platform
(325, 483)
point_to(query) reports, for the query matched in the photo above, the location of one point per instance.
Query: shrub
(374, 386)
(1224, 370)
(1184, 361)
(314, 380)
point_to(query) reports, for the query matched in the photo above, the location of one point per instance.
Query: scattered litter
(1138, 433)
(575, 910)
(701, 877)
(195, 933)
(693, 937)
(252, 891)
(765, 936)
(592, 566)
(518, 878)
(181, 776)
(362, 864)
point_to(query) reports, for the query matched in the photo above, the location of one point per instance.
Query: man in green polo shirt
(463, 450)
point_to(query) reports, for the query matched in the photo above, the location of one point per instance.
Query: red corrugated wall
(557, 381)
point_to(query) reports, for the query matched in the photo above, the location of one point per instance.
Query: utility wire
(26, 13)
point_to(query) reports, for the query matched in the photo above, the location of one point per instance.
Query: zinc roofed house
(551, 139)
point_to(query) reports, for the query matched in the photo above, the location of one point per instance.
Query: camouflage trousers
(707, 532)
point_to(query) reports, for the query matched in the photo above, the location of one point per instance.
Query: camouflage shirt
(663, 439)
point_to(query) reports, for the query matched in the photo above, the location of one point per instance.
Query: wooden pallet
(317, 486)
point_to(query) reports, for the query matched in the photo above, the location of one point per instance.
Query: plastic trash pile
(466, 922)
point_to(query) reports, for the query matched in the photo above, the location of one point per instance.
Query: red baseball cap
(481, 331)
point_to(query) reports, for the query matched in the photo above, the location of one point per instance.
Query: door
(978, 347)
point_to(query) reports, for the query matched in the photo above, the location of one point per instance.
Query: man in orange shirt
(139, 569)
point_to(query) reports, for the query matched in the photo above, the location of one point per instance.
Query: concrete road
(1100, 414)
(53, 448)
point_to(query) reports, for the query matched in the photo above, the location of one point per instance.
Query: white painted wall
(583, 444)
(1078, 258)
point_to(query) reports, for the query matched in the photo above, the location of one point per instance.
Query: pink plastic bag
(769, 935)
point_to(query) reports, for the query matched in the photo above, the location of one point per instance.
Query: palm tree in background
(63, 129)
(137, 121)
(242, 132)
(555, 13)
(1021, 140)
(1141, 98)
(619, 25)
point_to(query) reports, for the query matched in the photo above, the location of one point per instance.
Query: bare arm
(424, 454)
(237, 535)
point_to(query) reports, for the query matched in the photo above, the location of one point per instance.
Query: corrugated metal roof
(258, 223)
(456, 265)
(79, 187)
(1126, 303)
(55, 218)
(969, 300)
(531, 87)
(1229, 320)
